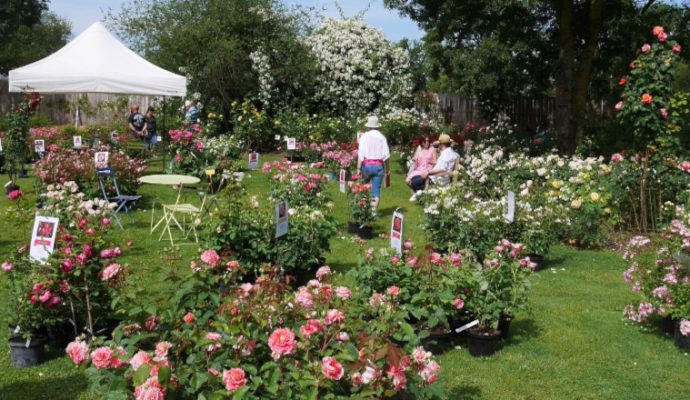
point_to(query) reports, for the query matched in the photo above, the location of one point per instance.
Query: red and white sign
(253, 160)
(43, 238)
(291, 143)
(397, 231)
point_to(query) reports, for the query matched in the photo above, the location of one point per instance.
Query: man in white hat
(445, 164)
(191, 114)
(373, 158)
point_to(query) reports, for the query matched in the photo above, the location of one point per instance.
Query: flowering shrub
(297, 184)
(16, 151)
(337, 160)
(661, 279)
(262, 340)
(65, 165)
(360, 70)
(431, 287)
(359, 198)
(247, 229)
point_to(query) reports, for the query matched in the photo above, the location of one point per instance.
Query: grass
(573, 345)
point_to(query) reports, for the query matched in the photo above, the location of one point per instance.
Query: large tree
(213, 43)
(499, 48)
(29, 32)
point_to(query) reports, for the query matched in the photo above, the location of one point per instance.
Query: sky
(82, 13)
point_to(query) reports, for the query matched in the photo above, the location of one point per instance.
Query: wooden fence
(526, 112)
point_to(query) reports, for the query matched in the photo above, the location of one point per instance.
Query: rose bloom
(408, 245)
(685, 165)
(458, 303)
(619, 106)
(617, 157)
(676, 48)
(429, 372)
(14, 195)
(304, 298)
(646, 48)
(101, 357)
(210, 257)
(331, 368)
(435, 258)
(110, 271)
(233, 265)
(622, 82)
(333, 316)
(78, 351)
(647, 98)
(7, 266)
(311, 327)
(150, 390)
(188, 318)
(234, 379)
(657, 30)
(398, 374)
(323, 272)
(343, 292)
(162, 349)
(393, 291)
(662, 37)
(282, 342)
(420, 355)
(684, 327)
(139, 359)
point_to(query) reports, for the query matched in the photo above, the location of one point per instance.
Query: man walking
(373, 155)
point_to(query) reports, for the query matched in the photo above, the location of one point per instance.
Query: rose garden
(536, 272)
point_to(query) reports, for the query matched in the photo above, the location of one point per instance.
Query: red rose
(647, 98)
(331, 368)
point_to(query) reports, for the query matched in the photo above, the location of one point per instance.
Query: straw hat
(444, 139)
(372, 122)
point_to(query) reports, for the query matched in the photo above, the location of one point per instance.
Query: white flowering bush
(360, 71)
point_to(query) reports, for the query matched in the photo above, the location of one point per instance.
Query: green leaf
(164, 374)
(142, 375)
(239, 393)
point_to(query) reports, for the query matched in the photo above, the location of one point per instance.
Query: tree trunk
(563, 122)
(581, 87)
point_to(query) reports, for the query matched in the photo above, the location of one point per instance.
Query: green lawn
(573, 345)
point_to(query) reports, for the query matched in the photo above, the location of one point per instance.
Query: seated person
(439, 174)
(423, 160)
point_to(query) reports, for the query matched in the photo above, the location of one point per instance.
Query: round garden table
(168, 180)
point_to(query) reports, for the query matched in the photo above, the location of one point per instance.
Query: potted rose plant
(361, 213)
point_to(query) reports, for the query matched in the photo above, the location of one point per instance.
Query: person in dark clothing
(137, 122)
(150, 139)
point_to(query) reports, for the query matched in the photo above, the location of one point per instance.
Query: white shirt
(446, 162)
(373, 146)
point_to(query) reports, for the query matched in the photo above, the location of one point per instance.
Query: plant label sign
(114, 137)
(341, 180)
(397, 231)
(101, 159)
(291, 143)
(39, 146)
(467, 326)
(253, 160)
(0, 145)
(43, 238)
(276, 138)
(76, 142)
(510, 209)
(281, 218)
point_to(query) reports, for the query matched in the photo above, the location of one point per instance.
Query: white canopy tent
(96, 62)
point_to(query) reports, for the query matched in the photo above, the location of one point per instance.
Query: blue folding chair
(124, 202)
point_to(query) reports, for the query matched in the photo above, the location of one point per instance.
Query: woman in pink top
(424, 160)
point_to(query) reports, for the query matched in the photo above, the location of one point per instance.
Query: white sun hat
(372, 122)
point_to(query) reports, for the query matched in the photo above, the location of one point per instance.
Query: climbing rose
(78, 351)
(139, 359)
(282, 342)
(331, 368)
(101, 357)
(210, 257)
(234, 379)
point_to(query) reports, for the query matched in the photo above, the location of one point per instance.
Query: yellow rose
(553, 193)
(607, 210)
(606, 169)
(556, 184)
(594, 196)
(577, 203)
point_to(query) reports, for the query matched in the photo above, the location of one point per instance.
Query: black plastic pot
(681, 341)
(483, 343)
(537, 259)
(27, 354)
(668, 325)
(365, 232)
(60, 335)
(10, 188)
(352, 227)
(22, 173)
(504, 326)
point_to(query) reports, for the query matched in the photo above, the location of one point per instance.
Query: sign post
(397, 231)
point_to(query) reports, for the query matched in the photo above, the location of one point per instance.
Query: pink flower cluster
(14, 194)
(41, 293)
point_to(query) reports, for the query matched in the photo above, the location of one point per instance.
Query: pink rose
(67, 266)
(395, 260)
(7, 266)
(110, 271)
(188, 318)
(323, 272)
(234, 379)
(657, 30)
(210, 257)
(233, 265)
(662, 37)
(435, 258)
(617, 157)
(78, 351)
(646, 48)
(101, 357)
(331, 368)
(304, 298)
(14, 195)
(150, 390)
(398, 375)
(619, 106)
(458, 303)
(162, 349)
(676, 48)
(311, 327)
(685, 166)
(139, 359)
(213, 371)
(684, 327)
(429, 372)
(408, 245)
(334, 316)
(343, 292)
(664, 113)
(393, 291)
(282, 342)
(420, 355)
(105, 222)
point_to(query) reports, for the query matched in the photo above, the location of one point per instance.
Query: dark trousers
(417, 183)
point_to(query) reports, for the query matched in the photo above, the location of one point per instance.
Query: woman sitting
(424, 160)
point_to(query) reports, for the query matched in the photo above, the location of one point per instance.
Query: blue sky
(82, 13)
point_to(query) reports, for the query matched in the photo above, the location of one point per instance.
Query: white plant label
(510, 210)
(43, 238)
(291, 143)
(281, 218)
(253, 160)
(76, 142)
(341, 180)
(397, 231)
(467, 326)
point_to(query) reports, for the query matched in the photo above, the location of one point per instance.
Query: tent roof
(96, 62)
